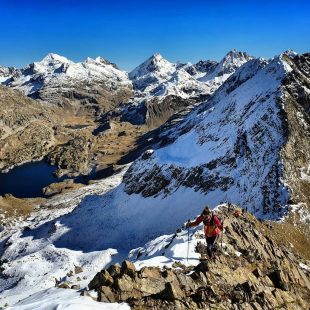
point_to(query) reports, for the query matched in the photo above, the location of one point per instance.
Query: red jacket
(211, 229)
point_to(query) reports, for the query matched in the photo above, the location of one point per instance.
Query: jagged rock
(124, 283)
(229, 282)
(172, 292)
(278, 279)
(257, 272)
(128, 268)
(78, 269)
(114, 270)
(267, 300)
(101, 278)
(106, 294)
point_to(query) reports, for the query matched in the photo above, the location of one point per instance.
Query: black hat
(206, 210)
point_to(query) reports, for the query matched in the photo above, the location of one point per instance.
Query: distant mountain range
(98, 85)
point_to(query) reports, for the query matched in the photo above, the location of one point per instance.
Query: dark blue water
(28, 180)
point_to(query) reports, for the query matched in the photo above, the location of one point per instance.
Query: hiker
(212, 228)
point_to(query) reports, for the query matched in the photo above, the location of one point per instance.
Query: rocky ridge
(251, 271)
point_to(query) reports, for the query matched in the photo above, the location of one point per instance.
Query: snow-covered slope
(227, 66)
(6, 74)
(158, 77)
(228, 148)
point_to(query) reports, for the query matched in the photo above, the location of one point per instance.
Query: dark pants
(210, 244)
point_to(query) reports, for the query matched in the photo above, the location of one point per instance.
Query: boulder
(150, 272)
(172, 291)
(106, 294)
(278, 279)
(128, 268)
(77, 269)
(114, 270)
(150, 286)
(124, 283)
(102, 278)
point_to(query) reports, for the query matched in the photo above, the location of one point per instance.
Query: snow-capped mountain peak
(55, 76)
(224, 69)
(234, 59)
(99, 61)
(231, 62)
(155, 64)
(52, 57)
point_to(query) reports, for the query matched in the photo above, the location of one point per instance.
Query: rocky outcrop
(200, 68)
(26, 128)
(155, 112)
(30, 144)
(74, 156)
(251, 271)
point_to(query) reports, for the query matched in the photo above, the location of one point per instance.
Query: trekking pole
(187, 239)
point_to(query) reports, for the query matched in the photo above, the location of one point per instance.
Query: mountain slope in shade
(199, 69)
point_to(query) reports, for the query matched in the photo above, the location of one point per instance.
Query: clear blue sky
(128, 32)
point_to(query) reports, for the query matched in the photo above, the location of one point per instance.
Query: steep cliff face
(230, 147)
(295, 154)
(155, 112)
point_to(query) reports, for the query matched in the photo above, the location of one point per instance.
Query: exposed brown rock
(128, 268)
(267, 275)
